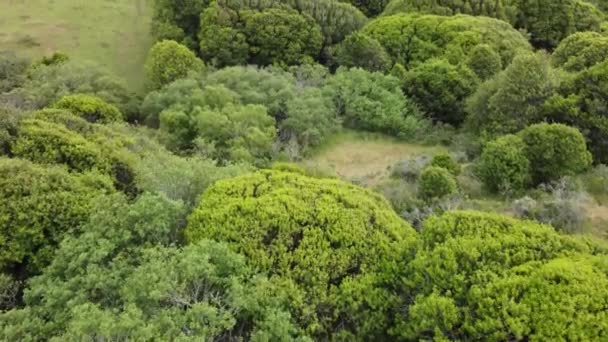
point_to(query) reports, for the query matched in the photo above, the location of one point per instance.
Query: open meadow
(113, 33)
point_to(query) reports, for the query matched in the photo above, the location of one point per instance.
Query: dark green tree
(554, 151)
(504, 166)
(440, 89)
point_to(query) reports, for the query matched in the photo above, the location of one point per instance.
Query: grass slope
(364, 157)
(113, 33)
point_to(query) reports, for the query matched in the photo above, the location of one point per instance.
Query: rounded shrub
(47, 142)
(360, 50)
(503, 166)
(335, 246)
(436, 182)
(168, 61)
(580, 51)
(481, 276)
(440, 89)
(554, 151)
(38, 205)
(91, 108)
(446, 161)
(278, 36)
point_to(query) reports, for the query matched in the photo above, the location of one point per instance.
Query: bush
(580, 51)
(440, 89)
(46, 142)
(45, 85)
(484, 61)
(446, 161)
(359, 50)
(12, 71)
(504, 166)
(114, 280)
(277, 36)
(560, 205)
(596, 181)
(411, 39)
(333, 244)
(465, 255)
(554, 151)
(38, 207)
(373, 102)
(91, 108)
(168, 61)
(513, 99)
(435, 183)
(410, 169)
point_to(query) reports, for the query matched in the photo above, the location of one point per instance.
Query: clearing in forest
(113, 33)
(365, 158)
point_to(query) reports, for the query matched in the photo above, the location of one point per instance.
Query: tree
(123, 279)
(181, 178)
(168, 61)
(479, 275)
(177, 20)
(558, 299)
(268, 87)
(310, 119)
(236, 133)
(496, 9)
(410, 38)
(513, 99)
(332, 245)
(39, 206)
(549, 23)
(484, 61)
(222, 41)
(580, 51)
(372, 101)
(281, 37)
(440, 89)
(436, 182)
(370, 8)
(546, 23)
(503, 166)
(554, 151)
(359, 50)
(91, 108)
(50, 143)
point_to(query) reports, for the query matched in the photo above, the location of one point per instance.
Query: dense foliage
(413, 38)
(503, 165)
(334, 247)
(302, 170)
(169, 61)
(472, 266)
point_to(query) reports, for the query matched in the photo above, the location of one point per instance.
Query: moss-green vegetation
(310, 170)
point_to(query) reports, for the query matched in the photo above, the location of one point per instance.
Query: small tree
(441, 88)
(168, 61)
(435, 183)
(554, 151)
(331, 243)
(503, 165)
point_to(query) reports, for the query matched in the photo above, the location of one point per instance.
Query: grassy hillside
(114, 33)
